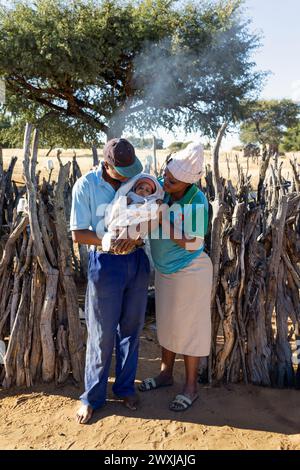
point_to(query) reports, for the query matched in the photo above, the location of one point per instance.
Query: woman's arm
(189, 244)
(177, 235)
(133, 235)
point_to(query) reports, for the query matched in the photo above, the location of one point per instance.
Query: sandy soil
(231, 417)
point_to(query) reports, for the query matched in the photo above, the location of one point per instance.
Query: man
(117, 287)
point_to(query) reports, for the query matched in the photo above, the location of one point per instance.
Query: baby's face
(144, 189)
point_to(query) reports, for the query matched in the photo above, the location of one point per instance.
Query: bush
(176, 146)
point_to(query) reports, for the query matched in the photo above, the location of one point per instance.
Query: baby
(143, 188)
(136, 202)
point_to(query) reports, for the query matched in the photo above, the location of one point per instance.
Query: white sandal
(182, 402)
(150, 384)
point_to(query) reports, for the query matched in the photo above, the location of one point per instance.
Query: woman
(183, 276)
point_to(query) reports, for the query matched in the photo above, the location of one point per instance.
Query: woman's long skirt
(183, 308)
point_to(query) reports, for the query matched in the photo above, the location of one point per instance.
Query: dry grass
(85, 161)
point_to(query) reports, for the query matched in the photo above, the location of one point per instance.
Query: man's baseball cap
(121, 155)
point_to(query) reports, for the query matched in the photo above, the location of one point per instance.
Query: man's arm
(85, 237)
(81, 217)
(88, 237)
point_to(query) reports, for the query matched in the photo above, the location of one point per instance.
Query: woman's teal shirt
(189, 214)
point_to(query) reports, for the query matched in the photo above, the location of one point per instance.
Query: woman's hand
(162, 212)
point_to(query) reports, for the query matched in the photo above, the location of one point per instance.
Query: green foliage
(115, 65)
(176, 146)
(55, 131)
(4, 127)
(291, 140)
(266, 122)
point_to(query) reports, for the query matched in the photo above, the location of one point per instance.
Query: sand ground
(227, 417)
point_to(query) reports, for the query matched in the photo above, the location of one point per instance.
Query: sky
(278, 21)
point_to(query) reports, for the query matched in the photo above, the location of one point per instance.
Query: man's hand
(121, 246)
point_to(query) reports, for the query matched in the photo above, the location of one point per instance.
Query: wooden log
(2, 187)
(76, 172)
(217, 182)
(10, 245)
(21, 331)
(5, 304)
(84, 260)
(238, 216)
(75, 340)
(14, 357)
(239, 171)
(296, 174)
(228, 168)
(230, 284)
(277, 240)
(95, 156)
(232, 192)
(284, 374)
(28, 339)
(293, 270)
(38, 293)
(45, 230)
(51, 274)
(262, 174)
(234, 366)
(240, 325)
(63, 367)
(218, 211)
(9, 191)
(258, 352)
(68, 201)
(210, 190)
(22, 265)
(293, 293)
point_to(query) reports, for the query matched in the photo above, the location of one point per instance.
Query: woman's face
(171, 184)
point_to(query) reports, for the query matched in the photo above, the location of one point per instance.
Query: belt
(98, 249)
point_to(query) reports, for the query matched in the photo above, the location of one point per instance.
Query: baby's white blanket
(119, 214)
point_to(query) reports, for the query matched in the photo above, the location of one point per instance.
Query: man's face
(114, 174)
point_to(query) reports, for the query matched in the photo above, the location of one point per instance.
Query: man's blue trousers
(115, 305)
